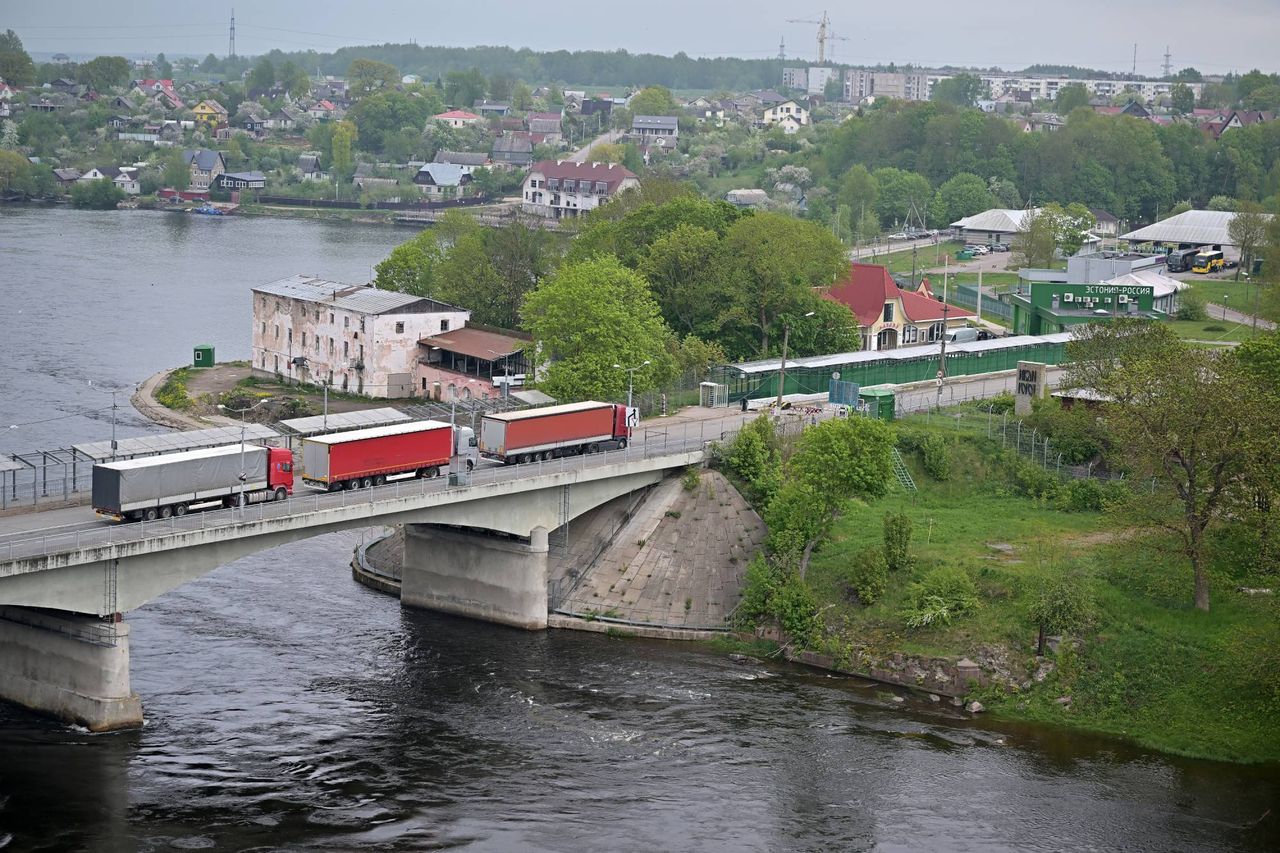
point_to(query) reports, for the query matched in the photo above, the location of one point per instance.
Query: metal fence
(1037, 446)
(966, 296)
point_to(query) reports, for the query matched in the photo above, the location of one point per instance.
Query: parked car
(898, 236)
(998, 247)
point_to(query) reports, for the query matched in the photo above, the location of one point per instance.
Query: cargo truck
(362, 458)
(173, 483)
(565, 430)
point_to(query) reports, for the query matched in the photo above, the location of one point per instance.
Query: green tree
(961, 196)
(653, 101)
(501, 86)
(1052, 231)
(606, 152)
(1005, 193)
(684, 269)
(365, 76)
(859, 190)
(1070, 97)
(163, 67)
(521, 97)
(261, 78)
(96, 195)
(903, 195)
(588, 317)
(383, 113)
(774, 262)
(104, 72)
(1266, 98)
(177, 172)
(411, 266)
(294, 79)
(962, 90)
(1182, 99)
(344, 140)
(834, 88)
(1188, 419)
(15, 172)
(1189, 75)
(464, 88)
(16, 67)
(520, 258)
(1248, 232)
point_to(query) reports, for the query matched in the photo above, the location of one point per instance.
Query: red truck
(367, 457)
(545, 433)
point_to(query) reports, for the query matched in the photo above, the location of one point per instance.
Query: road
(580, 156)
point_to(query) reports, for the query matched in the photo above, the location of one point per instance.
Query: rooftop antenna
(231, 47)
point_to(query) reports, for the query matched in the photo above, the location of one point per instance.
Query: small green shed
(203, 356)
(878, 402)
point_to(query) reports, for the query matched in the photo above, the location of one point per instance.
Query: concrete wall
(476, 574)
(61, 664)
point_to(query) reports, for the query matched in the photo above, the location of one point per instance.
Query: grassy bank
(1148, 667)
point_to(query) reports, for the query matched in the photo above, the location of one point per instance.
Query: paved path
(1231, 315)
(580, 156)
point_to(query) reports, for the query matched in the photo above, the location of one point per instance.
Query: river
(290, 708)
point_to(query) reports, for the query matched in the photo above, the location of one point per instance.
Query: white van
(961, 336)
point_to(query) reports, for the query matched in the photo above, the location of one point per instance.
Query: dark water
(289, 708)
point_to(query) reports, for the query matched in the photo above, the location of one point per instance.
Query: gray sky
(1236, 35)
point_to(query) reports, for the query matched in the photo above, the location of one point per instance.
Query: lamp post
(114, 407)
(782, 365)
(631, 377)
(1224, 307)
(243, 474)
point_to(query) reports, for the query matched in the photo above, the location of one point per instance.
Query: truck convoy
(363, 458)
(163, 486)
(565, 430)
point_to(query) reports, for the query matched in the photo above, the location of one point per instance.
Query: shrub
(1082, 496)
(944, 594)
(897, 541)
(96, 195)
(867, 576)
(172, 394)
(999, 404)
(1191, 306)
(1061, 605)
(911, 440)
(753, 450)
(691, 479)
(773, 591)
(936, 455)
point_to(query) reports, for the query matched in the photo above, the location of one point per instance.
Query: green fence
(966, 296)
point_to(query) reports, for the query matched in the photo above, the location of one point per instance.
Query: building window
(346, 322)
(304, 340)
(277, 331)
(330, 317)
(345, 349)
(264, 328)
(444, 325)
(289, 335)
(888, 312)
(399, 328)
(330, 346)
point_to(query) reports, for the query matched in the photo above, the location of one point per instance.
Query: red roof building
(890, 317)
(563, 188)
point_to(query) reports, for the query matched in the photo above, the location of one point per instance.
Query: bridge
(475, 546)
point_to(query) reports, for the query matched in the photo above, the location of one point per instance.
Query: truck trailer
(363, 458)
(565, 430)
(173, 483)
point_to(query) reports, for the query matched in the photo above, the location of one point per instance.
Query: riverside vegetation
(997, 559)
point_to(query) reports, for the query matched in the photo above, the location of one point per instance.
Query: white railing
(656, 442)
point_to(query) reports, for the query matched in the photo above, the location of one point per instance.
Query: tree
(521, 97)
(294, 79)
(8, 135)
(520, 257)
(832, 328)
(859, 190)
(606, 152)
(1182, 99)
(1265, 98)
(262, 78)
(367, 75)
(15, 172)
(177, 172)
(1190, 75)
(1005, 193)
(1189, 420)
(381, 114)
(501, 86)
(464, 88)
(834, 88)
(1222, 202)
(16, 67)
(962, 90)
(684, 269)
(773, 262)
(344, 140)
(1071, 96)
(96, 195)
(1248, 231)
(1054, 230)
(586, 318)
(1060, 605)
(653, 101)
(411, 266)
(104, 72)
(961, 196)
(902, 194)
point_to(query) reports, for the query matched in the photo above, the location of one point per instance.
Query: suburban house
(241, 181)
(1095, 286)
(457, 118)
(592, 106)
(561, 188)
(491, 108)
(308, 168)
(1108, 225)
(210, 113)
(66, 177)
(443, 180)
(747, 198)
(205, 167)
(776, 113)
(468, 160)
(125, 178)
(354, 337)
(656, 130)
(322, 110)
(997, 225)
(472, 361)
(547, 124)
(280, 120)
(790, 124)
(512, 149)
(889, 316)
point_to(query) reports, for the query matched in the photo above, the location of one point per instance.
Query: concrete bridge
(477, 550)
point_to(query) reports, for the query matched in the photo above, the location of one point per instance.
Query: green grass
(927, 257)
(1213, 329)
(172, 393)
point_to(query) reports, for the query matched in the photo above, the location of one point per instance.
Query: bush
(691, 479)
(773, 591)
(999, 404)
(897, 541)
(867, 576)
(944, 594)
(96, 195)
(1082, 496)
(172, 394)
(1191, 306)
(753, 450)
(936, 455)
(1061, 605)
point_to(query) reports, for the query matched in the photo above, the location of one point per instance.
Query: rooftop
(869, 286)
(996, 220)
(484, 344)
(1206, 227)
(361, 298)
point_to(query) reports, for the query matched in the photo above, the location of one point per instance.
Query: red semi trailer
(366, 457)
(545, 433)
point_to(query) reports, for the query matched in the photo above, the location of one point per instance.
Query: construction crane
(823, 26)
(831, 36)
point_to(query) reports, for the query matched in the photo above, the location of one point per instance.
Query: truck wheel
(335, 487)
(366, 483)
(166, 511)
(380, 480)
(240, 500)
(547, 456)
(352, 485)
(180, 510)
(524, 459)
(281, 494)
(149, 514)
(622, 444)
(593, 448)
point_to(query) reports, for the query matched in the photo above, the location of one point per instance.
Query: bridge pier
(68, 665)
(476, 574)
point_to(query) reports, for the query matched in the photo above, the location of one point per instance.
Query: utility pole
(782, 365)
(1135, 59)
(942, 349)
(231, 46)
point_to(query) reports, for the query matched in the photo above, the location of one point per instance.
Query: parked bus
(1181, 260)
(1209, 261)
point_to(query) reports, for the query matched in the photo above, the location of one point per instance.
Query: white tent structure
(1197, 227)
(995, 224)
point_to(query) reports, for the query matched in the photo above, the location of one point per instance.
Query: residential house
(1044, 123)
(656, 130)
(241, 181)
(257, 125)
(7, 92)
(443, 180)
(747, 198)
(205, 167)
(308, 168)
(209, 113)
(126, 179)
(457, 118)
(997, 225)
(775, 113)
(280, 120)
(561, 188)
(889, 316)
(120, 102)
(491, 108)
(48, 104)
(469, 161)
(118, 122)
(472, 361)
(65, 86)
(323, 110)
(512, 150)
(594, 106)
(790, 124)
(66, 177)
(100, 173)
(354, 337)
(543, 122)
(1133, 108)
(1237, 119)
(1108, 225)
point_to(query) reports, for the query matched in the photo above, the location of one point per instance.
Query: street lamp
(243, 474)
(631, 377)
(1224, 307)
(782, 365)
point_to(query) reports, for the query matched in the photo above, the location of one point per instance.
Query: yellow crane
(824, 25)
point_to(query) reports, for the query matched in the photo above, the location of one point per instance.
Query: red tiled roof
(460, 114)
(869, 287)
(610, 173)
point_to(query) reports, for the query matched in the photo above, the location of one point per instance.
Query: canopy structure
(338, 421)
(1198, 227)
(168, 442)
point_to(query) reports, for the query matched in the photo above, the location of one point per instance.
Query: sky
(1215, 36)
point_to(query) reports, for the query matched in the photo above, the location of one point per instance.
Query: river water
(290, 708)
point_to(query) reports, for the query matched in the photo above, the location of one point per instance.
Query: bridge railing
(655, 441)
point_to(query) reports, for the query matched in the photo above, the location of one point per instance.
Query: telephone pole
(231, 45)
(1135, 59)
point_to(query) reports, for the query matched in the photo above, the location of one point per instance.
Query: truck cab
(465, 446)
(279, 470)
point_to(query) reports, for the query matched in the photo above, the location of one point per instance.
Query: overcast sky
(1215, 36)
